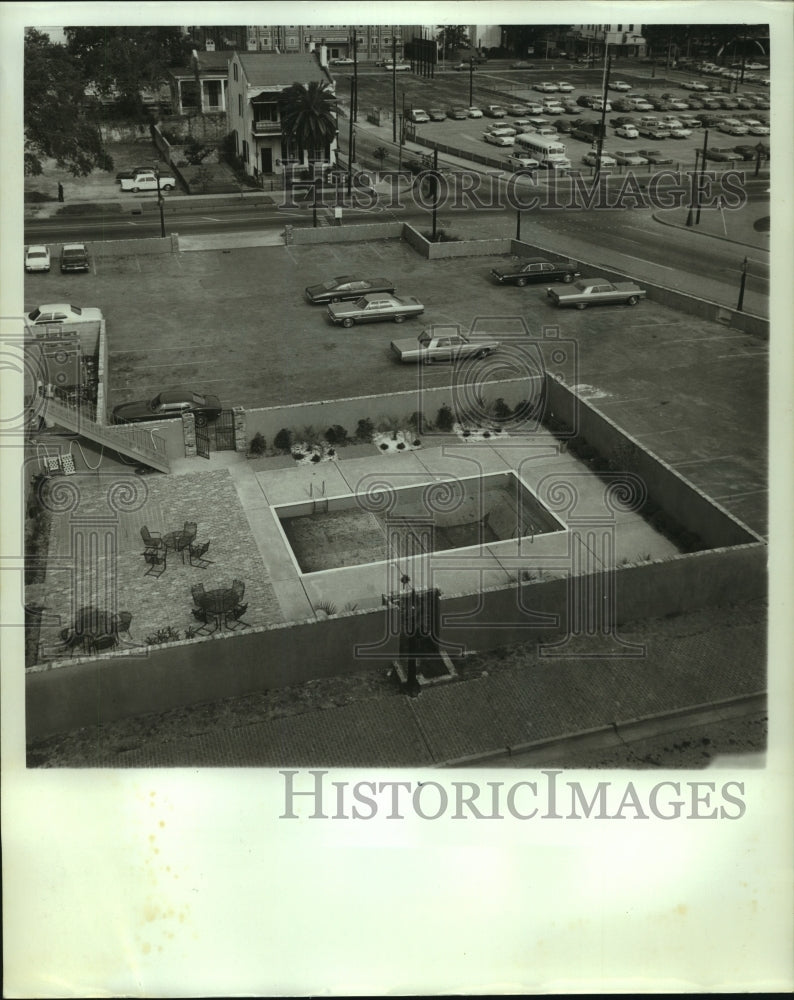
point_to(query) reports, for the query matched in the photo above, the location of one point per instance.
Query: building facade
(373, 42)
(620, 39)
(255, 82)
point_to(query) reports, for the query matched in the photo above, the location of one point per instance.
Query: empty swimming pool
(388, 523)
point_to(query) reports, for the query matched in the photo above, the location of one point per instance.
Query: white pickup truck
(146, 180)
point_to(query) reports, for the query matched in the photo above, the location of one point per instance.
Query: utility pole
(160, 201)
(471, 81)
(692, 194)
(702, 170)
(602, 126)
(435, 190)
(350, 136)
(354, 106)
(394, 89)
(740, 303)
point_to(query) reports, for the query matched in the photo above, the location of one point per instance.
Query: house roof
(214, 62)
(264, 69)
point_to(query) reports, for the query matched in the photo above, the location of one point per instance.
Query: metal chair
(121, 623)
(189, 531)
(157, 562)
(96, 643)
(197, 551)
(151, 541)
(234, 619)
(198, 593)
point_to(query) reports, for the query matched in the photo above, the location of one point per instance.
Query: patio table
(178, 541)
(93, 627)
(216, 603)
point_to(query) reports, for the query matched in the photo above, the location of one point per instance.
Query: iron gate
(224, 431)
(202, 439)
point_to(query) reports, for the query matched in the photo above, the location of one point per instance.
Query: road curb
(713, 236)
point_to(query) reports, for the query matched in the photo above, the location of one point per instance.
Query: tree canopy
(453, 37)
(309, 115)
(55, 118)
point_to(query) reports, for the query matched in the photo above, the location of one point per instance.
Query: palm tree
(308, 114)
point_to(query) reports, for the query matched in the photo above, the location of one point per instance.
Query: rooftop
(264, 69)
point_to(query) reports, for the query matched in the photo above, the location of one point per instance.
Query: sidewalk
(748, 226)
(507, 698)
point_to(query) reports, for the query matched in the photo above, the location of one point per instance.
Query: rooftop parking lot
(236, 323)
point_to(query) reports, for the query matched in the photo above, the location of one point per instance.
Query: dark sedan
(171, 403)
(654, 156)
(127, 175)
(535, 269)
(722, 154)
(346, 287)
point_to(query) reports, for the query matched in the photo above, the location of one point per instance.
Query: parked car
(553, 108)
(627, 132)
(591, 159)
(694, 102)
(522, 161)
(399, 68)
(442, 345)
(127, 175)
(596, 292)
(474, 112)
(533, 270)
(418, 116)
(585, 100)
(654, 156)
(657, 132)
(629, 158)
(756, 127)
(722, 154)
(342, 61)
(729, 103)
(623, 120)
(678, 105)
(546, 87)
(495, 111)
(148, 181)
(732, 126)
(168, 404)
(565, 88)
(515, 109)
(562, 125)
(619, 85)
(62, 312)
(347, 286)
(745, 104)
(458, 113)
(761, 103)
(370, 308)
(709, 120)
(679, 132)
(74, 257)
(745, 151)
(688, 121)
(37, 258)
(695, 85)
(522, 124)
(498, 140)
(437, 115)
(670, 121)
(519, 65)
(501, 130)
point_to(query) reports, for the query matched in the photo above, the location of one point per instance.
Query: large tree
(57, 113)
(308, 113)
(453, 37)
(123, 61)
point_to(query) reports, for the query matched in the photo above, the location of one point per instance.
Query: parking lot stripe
(736, 357)
(208, 218)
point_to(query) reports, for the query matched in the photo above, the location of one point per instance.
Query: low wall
(346, 234)
(124, 248)
(97, 691)
(396, 405)
(757, 326)
(675, 495)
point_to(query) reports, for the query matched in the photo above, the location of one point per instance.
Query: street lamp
(160, 200)
(760, 149)
(471, 81)
(692, 193)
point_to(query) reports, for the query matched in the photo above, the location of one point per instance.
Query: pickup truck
(146, 180)
(442, 345)
(596, 292)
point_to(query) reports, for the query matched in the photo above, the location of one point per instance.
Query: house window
(245, 150)
(235, 71)
(620, 27)
(240, 105)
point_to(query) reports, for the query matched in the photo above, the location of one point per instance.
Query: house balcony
(267, 128)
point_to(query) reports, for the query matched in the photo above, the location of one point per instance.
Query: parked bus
(547, 151)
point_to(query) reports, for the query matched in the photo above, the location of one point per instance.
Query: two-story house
(255, 82)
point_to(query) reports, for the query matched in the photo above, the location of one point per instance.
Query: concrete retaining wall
(347, 234)
(396, 405)
(675, 495)
(123, 248)
(757, 326)
(91, 691)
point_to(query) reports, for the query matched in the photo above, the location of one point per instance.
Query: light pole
(740, 303)
(160, 200)
(471, 81)
(702, 171)
(694, 186)
(759, 150)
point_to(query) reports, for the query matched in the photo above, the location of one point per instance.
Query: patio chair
(96, 643)
(234, 619)
(238, 589)
(197, 551)
(121, 623)
(189, 532)
(156, 560)
(151, 541)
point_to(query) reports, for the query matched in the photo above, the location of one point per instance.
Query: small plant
(383, 446)
(486, 434)
(283, 440)
(315, 458)
(336, 435)
(467, 433)
(415, 421)
(167, 634)
(416, 442)
(400, 445)
(380, 154)
(444, 419)
(365, 430)
(328, 607)
(191, 632)
(258, 444)
(349, 608)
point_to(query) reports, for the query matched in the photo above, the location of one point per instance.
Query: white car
(619, 85)
(629, 158)
(689, 121)
(670, 121)
(754, 127)
(501, 130)
(474, 112)
(533, 108)
(732, 126)
(546, 87)
(498, 140)
(553, 108)
(522, 161)
(547, 130)
(754, 65)
(419, 117)
(61, 312)
(598, 104)
(37, 258)
(679, 132)
(565, 88)
(678, 105)
(627, 132)
(399, 68)
(342, 61)
(695, 85)
(606, 160)
(523, 124)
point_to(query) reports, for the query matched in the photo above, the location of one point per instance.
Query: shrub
(383, 446)
(283, 440)
(327, 606)
(400, 445)
(315, 458)
(365, 430)
(415, 421)
(501, 411)
(258, 444)
(167, 634)
(336, 435)
(444, 419)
